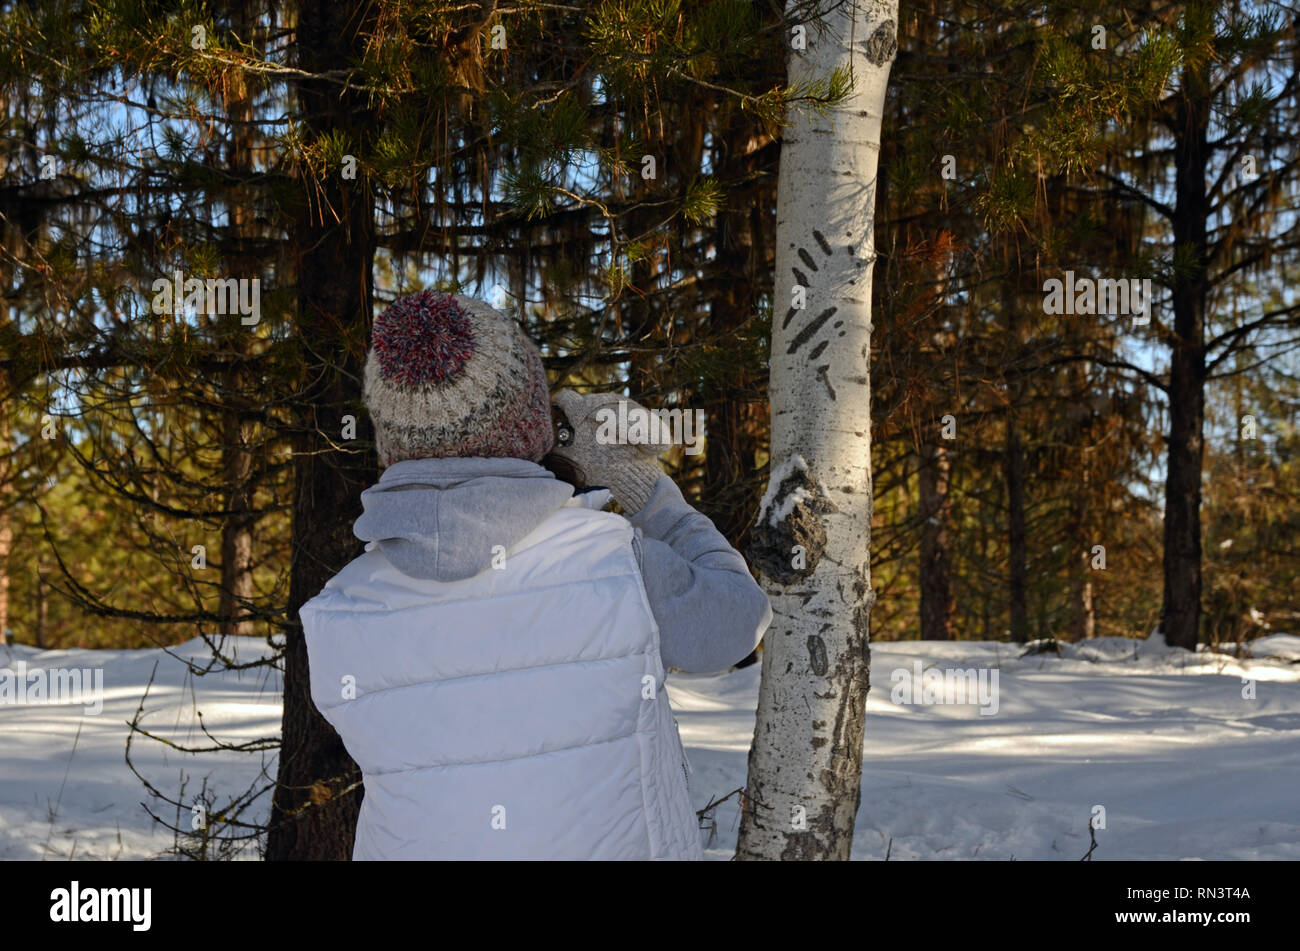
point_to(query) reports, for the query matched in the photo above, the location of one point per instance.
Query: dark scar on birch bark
(771, 547)
(883, 45)
(817, 655)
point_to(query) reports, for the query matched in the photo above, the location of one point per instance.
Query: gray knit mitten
(629, 471)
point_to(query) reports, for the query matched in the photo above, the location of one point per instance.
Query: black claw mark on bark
(811, 329)
(821, 375)
(813, 326)
(817, 350)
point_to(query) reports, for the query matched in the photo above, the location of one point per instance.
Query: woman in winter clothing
(495, 661)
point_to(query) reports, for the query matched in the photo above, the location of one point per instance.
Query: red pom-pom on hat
(423, 339)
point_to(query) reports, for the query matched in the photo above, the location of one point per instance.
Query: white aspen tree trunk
(811, 542)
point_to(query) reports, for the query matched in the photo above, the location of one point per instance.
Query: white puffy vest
(517, 714)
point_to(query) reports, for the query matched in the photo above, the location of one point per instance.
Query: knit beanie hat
(448, 375)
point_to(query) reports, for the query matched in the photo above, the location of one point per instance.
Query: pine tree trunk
(1083, 616)
(732, 441)
(237, 529)
(1180, 613)
(236, 433)
(313, 814)
(6, 526)
(936, 577)
(812, 537)
(6, 549)
(1013, 474)
(1017, 547)
(42, 631)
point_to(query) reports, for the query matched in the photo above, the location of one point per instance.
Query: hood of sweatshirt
(440, 519)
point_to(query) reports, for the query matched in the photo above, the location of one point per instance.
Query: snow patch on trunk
(768, 507)
(790, 535)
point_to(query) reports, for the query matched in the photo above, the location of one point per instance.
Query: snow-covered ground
(1184, 761)
(69, 794)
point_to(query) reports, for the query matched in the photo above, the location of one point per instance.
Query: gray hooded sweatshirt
(442, 519)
